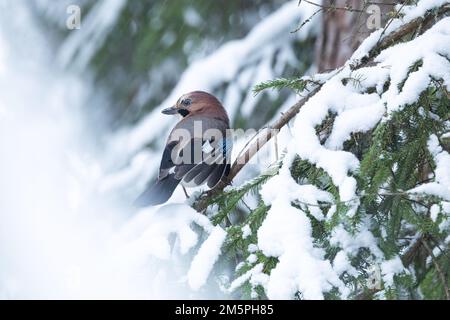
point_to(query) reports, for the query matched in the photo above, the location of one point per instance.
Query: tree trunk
(344, 30)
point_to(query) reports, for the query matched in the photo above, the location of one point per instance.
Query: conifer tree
(358, 206)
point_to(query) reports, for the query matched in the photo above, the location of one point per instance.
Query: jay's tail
(157, 193)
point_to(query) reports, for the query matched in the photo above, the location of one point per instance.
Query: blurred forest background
(145, 46)
(136, 51)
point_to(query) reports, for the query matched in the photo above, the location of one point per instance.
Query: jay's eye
(186, 102)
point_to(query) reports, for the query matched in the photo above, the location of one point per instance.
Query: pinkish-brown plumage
(204, 104)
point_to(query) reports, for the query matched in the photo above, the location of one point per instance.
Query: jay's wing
(215, 164)
(194, 162)
(197, 161)
(221, 162)
(166, 161)
(179, 157)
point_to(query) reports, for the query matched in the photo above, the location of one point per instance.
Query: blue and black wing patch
(210, 168)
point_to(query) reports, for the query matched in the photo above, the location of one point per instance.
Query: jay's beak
(171, 110)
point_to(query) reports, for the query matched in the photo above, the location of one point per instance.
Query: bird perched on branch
(197, 150)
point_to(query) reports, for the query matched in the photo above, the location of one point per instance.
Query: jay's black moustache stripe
(183, 112)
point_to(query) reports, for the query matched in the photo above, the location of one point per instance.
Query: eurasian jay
(197, 150)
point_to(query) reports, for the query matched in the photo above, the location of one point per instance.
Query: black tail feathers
(158, 193)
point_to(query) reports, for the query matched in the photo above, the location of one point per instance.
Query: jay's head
(197, 103)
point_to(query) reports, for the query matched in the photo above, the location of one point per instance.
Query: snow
(355, 121)
(446, 207)
(308, 195)
(390, 268)
(408, 13)
(237, 64)
(341, 264)
(414, 11)
(132, 176)
(433, 189)
(256, 270)
(434, 211)
(426, 48)
(286, 234)
(252, 258)
(192, 17)
(3, 56)
(441, 186)
(246, 231)
(207, 255)
(252, 248)
(352, 243)
(150, 230)
(239, 266)
(332, 97)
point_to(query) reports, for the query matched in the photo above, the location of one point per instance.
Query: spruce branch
(424, 22)
(297, 84)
